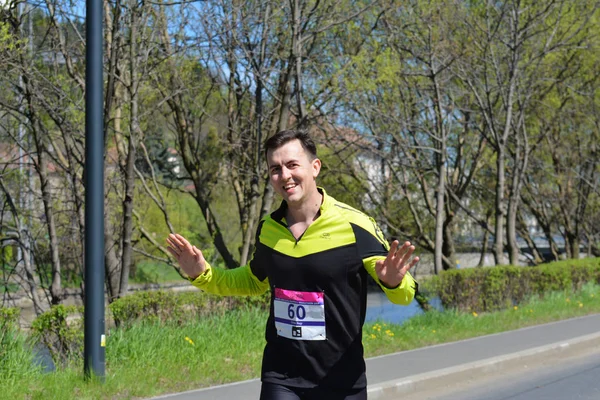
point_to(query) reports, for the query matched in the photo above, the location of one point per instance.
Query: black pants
(272, 391)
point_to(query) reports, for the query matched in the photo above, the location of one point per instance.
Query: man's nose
(285, 173)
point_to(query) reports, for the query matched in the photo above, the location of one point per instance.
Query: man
(313, 254)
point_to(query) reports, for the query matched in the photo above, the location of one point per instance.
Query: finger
(406, 256)
(174, 241)
(392, 252)
(401, 254)
(402, 250)
(410, 265)
(173, 252)
(198, 254)
(174, 247)
(184, 242)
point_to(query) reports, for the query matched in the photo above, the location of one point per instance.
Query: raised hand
(392, 269)
(189, 257)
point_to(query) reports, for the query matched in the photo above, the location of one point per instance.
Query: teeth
(289, 186)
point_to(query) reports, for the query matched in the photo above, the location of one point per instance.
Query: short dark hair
(283, 137)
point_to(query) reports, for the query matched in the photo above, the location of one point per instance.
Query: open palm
(392, 269)
(189, 257)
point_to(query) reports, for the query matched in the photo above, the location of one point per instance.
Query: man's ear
(316, 164)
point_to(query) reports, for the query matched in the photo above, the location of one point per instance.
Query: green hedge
(495, 288)
(60, 329)
(178, 307)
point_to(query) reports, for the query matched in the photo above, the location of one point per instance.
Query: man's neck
(306, 212)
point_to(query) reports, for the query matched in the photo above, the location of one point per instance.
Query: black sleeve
(367, 244)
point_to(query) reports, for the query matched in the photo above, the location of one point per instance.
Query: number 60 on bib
(299, 315)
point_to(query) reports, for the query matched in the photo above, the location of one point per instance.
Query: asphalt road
(457, 365)
(576, 378)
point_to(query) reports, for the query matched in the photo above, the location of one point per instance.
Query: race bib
(299, 315)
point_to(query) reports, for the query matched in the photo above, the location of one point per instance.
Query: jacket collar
(279, 214)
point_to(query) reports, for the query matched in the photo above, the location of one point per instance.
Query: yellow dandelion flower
(515, 308)
(190, 341)
(372, 336)
(580, 305)
(389, 333)
(433, 331)
(475, 314)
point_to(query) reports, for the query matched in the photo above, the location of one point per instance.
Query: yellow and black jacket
(326, 268)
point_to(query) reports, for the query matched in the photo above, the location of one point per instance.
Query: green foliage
(7, 254)
(172, 307)
(9, 324)
(154, 272)
(496, 288)
(60, 329)
(186, 217)
(146, 360)
(340, 178)
(15, 351)
(9, 318)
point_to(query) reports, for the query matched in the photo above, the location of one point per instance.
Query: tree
(511, 42)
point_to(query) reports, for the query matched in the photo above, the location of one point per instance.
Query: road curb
(199, 392)
(430, 380)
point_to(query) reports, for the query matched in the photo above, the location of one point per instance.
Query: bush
(9, 318)
(179, 307)
(9, 327)
(495, 288)
(60, 329)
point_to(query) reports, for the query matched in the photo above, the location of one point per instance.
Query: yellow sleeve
(230, 282)
(403, 294)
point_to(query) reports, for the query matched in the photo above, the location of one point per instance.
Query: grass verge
(148, 360)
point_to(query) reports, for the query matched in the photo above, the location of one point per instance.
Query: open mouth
(289, 187)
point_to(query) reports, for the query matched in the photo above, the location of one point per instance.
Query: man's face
(292, 172)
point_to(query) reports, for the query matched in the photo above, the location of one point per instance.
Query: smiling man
(314, 254)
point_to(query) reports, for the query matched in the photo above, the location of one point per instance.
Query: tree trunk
(537, 257)
(297, 57)
(484, 241)
(111, 262)
(441, 188)
(448, 248)
(56, 290)
(134, 129)
(573, 243)
(511, 231)
(439, 219)
(500, 209)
